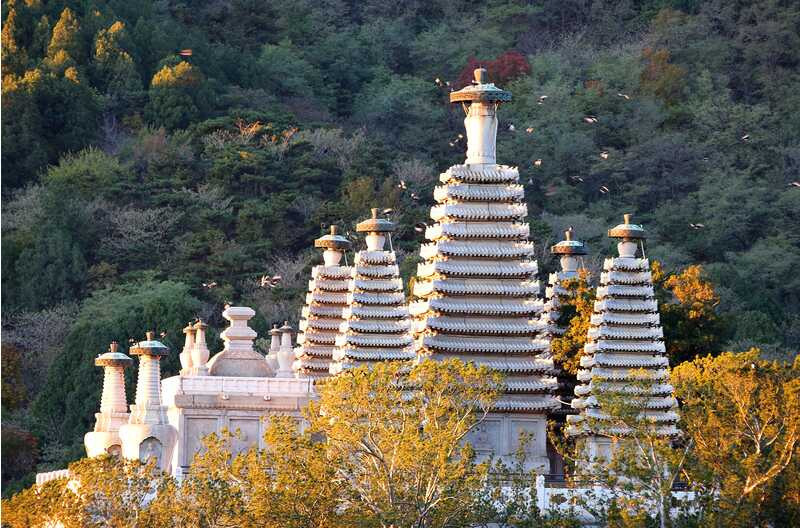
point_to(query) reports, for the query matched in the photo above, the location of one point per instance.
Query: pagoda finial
(627, 217)
(334, 229)
(374, 212)
(483, 99)
(568, 234)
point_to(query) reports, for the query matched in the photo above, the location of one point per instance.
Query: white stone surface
(148, 433)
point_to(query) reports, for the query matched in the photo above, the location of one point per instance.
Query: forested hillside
(158, 158)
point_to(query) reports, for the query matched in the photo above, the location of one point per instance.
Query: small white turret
(200, 352)
(285, 352)
(274, 347)
(188, 347)
(113, 405)
(147, 433)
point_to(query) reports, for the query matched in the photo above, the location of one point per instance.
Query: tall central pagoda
(477, 292)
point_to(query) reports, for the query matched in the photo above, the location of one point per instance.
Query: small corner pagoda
(477, 292)
(570, 253)
(377, 326)
(625, 353)
(104, 439)
(148, 433)
(323, 314)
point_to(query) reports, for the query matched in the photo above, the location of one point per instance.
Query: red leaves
(506, 67)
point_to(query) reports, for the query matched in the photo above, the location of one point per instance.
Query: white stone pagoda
(625, 352)
(477, 292)
(571, 253)
(323, 314)
(148, 434)
(113, 405)
(377, 325)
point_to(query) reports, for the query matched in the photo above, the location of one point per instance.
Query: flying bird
(163, 335)
(402, 184)
(387, 212)
(604, 189)
(604, 154)
(512, 128)
(537, 163)
(529, 130)
(185, 52)
(420, 227)
(209, 285)
(414, 196)
(542, 98)
(697, 226)
(795, 184)
(624, 96)
(746, 137)
(590, 119)
(577, 178)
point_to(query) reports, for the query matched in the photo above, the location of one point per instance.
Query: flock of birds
(267, 281)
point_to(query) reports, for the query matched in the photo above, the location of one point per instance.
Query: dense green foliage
(132, 176)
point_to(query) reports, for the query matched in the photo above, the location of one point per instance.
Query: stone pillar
(274, 347)
(200, 353)
(186, 354)
(285, 353)
(113, 405)
(481, 125)
(481, 121)
(147, 433)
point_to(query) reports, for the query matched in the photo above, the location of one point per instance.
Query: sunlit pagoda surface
(476, 291)
(323, 314)
(570, 253)
(377, 325)
(625, 352)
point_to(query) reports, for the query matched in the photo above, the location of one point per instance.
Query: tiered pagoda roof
(476, 291)
(377, 325)
(570, 252)
(625, 353)
(327, 298)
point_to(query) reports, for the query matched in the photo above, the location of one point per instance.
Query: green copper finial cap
(481, 90)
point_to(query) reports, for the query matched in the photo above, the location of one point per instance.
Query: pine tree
(66, 36)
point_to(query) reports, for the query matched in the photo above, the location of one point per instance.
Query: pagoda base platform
(200, 405)
(501, 435)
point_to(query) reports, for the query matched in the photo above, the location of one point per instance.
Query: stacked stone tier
(625, 353)
(476, 293)
(327, 298)
(376, 325)
(555, 294)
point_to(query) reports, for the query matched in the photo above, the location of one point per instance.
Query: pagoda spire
(324, 311)
(625, 352)
(480, 102)
(113, 404)
(570, 253)
(377, 326)
(476, 291)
